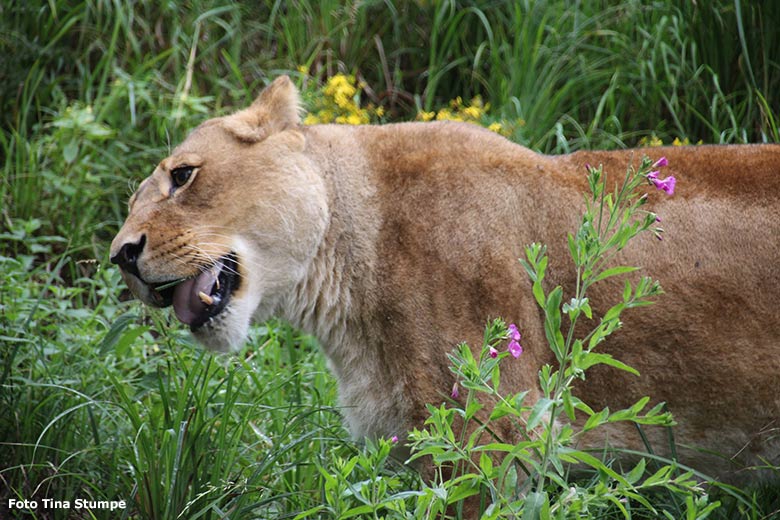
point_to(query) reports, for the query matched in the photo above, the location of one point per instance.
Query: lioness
(392, 244)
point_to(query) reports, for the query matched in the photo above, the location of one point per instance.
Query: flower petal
(515, 349)
(660, 163)
(667, 184)
(514, 334)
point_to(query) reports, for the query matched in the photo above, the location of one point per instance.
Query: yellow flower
(340, 88)
(311, 119)
(357, 119)
(425, 116)
(326, 116)
(446, 115)
(651, 140)
(303, 69)
(472, 112)
(496, 127)
(677, 142)
(339, 102)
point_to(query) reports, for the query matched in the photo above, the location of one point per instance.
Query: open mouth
(198, 299)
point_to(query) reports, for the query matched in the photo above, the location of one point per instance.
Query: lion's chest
(373, 404)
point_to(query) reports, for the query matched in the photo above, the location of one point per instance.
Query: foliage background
(105, 399)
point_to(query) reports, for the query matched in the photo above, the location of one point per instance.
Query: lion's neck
(333, 303)
(324, 305)
(321, 302)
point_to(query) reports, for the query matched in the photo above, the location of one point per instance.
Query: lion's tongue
(186, 303)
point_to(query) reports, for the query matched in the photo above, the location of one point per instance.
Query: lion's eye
(180, 175)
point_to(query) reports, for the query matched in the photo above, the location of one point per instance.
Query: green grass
(105, 399)
(107, 403)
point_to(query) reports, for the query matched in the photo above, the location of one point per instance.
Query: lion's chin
(226, 333)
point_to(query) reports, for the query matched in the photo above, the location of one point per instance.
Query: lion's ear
(277, 108)
(278, 104)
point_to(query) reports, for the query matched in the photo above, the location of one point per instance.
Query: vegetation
(107, 400)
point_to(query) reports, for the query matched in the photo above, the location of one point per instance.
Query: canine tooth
(217, 284)
(205, 298)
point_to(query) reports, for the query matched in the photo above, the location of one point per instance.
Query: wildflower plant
(339, 102)
(531, 476)
(476, 111)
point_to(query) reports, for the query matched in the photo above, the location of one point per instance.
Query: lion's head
(227, 224)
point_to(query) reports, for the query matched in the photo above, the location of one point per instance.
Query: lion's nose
(127, 257)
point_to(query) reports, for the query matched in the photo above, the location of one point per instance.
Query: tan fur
(394, 243)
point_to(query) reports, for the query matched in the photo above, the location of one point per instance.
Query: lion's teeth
(205, 298)
(217, 284)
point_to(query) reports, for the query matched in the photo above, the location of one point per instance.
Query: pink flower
(653, 175)
(513, 332)
(667, 184)
(455, 394)
(394, 439)
(493, 352)
(660, 163)
(515, 348)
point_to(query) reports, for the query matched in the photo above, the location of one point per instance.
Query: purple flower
(660, 163)
(653, 175)
(515, 348)
(394, 439)
(667, 184)
(514, 334)
(493, 352)
(455, 394)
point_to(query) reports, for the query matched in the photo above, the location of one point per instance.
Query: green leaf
(486, 465)
(593, 462)
(538, 293)
(472, 407)
(614, 271)
(635, 474)
(70, 151)
(538, 412)
(553, 305)
(590, 359)
(573, 250)
(529, 269)
(116, 330)
(662, 475)
(462, 491)
(536, 506)
(309, 513)
(614, 312)
(495, 376)
(587, 310)
(568, 406)
(596, 420)
(358, 511)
